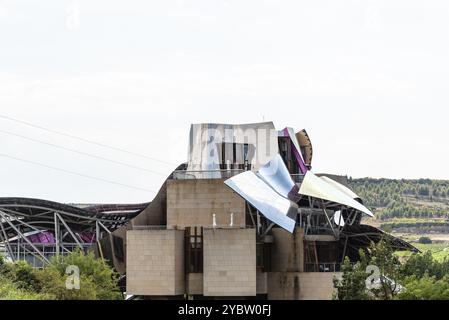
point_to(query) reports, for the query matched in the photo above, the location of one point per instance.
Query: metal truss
(67, 227)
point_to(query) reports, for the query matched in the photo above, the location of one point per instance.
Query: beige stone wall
(287, 251)
(300, 286)
(193, 203)
(153, 215)
(229, 262)
(155, 262)
(179, 262)
(195, 283)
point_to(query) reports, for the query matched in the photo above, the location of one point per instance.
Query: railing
(322, 267)
(27, 253)
(205, 174)
(317, 231)
(219, 174)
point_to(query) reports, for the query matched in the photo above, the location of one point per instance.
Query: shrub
(425, 240)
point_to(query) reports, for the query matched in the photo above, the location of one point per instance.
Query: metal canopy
(316, 187)
(265, 199)
(276, 175)
(341, 187)
(34, 228)
(362, 235)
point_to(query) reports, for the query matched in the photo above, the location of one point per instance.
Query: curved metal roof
(32, 214)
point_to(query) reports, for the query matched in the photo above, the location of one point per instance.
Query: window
(321, 256)
(235, 155)
(194, 249)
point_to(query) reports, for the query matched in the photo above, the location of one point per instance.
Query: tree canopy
(421, 277)
(97, 280)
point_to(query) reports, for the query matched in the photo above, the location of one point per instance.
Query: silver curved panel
(263, 197)
(276, 175)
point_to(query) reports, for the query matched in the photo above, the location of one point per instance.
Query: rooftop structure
(244, 217)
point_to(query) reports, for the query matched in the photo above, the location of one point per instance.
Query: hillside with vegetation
(420, 199)
(410, 209)
(414, 210)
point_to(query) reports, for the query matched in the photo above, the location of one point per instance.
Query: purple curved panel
(88, 237)
(289, 132)
(42, 237)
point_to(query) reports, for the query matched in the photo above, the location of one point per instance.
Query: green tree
(425, 240)
(426, 288)
(54, 284)
(97, 279)
(382, 256)
(352, 285)
(5, 267)
(25, 277)
(10, 291)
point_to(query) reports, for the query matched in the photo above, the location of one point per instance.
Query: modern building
(245, 217)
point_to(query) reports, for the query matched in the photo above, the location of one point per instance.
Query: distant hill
(404, 199)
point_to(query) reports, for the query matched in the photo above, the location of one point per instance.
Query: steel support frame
(23, 237)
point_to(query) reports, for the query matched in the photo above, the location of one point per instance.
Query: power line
(29, 124)
(74, 173)
(81, 152)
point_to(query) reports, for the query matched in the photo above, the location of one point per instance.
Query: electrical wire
(74, 173)
(29, 124)
(81, 152)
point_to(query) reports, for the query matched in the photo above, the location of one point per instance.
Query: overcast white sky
(369, 80)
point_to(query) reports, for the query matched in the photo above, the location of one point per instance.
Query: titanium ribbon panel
(274, 207)
(269, 191)
(315, 187)
(276, 175)
(340, 187)
(289, 132)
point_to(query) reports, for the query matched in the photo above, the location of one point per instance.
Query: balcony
(205, 174)
(219, 174)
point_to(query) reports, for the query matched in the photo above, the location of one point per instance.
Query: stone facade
(288, 250)
(301, 286)
(155, 262)
(230, 262)
(194, 202)
(155, 258)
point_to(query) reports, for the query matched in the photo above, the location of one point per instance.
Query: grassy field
(440, 251)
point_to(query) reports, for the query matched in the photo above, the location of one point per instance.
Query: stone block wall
(155, 262)
(230, 262)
